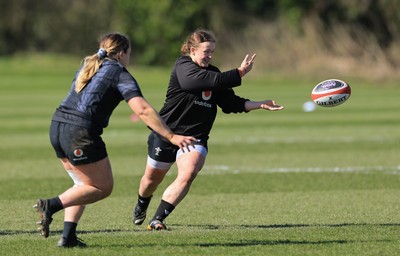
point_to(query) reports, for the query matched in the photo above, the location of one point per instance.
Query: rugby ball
(331, 93)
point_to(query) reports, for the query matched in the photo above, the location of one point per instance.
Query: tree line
(157, 28)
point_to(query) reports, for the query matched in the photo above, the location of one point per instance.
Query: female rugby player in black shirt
(195, 90)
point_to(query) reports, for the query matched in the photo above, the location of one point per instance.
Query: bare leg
(92, 182)
(189, 165)
(151, 179)
(148, 184)
(96, 183)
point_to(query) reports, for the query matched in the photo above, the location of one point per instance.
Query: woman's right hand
(182, 141)
(153, 120)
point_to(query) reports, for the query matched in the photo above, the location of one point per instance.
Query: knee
(153, 178)
(107, 192)
(106, 189)
(188, 178)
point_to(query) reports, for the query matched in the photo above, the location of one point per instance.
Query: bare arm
(151, 118)
(265, 104)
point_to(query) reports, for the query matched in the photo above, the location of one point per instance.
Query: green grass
(275, 183)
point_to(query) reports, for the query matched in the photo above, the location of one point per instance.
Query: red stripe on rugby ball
(345, 90)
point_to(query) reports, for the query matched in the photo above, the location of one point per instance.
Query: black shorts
(163, 151)
(160, 150)
(78, 144)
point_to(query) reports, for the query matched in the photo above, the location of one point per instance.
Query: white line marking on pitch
(221, 169)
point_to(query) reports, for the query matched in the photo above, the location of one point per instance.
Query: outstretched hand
(271, 105)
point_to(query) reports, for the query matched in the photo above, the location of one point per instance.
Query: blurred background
(358, 37)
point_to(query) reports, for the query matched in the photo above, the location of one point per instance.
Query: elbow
(142, 111)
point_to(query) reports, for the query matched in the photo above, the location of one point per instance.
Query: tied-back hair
(194, 39)
(110, 45)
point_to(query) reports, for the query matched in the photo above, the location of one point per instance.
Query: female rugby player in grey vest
(195, 90)
(75, 132)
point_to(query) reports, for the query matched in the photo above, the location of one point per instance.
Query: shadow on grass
(252, 242)
(203, 226)
(59, 232)
(237, 243)
(290, 225)
(277, 242)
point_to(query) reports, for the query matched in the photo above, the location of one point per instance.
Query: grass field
(275, 183)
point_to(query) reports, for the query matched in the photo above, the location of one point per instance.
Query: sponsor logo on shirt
(203, 104)
(205, 95)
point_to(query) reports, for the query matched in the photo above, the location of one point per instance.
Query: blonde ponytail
(110, 45)
(90, 66)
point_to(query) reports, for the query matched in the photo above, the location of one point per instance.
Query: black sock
(164, 209)
(69, 231)
(55, 204)
(143, 202)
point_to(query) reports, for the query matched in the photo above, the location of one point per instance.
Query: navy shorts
(77, 143)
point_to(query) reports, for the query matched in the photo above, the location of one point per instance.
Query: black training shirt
(193, 95)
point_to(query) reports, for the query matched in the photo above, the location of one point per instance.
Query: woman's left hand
(270, 105)
(247, 64)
